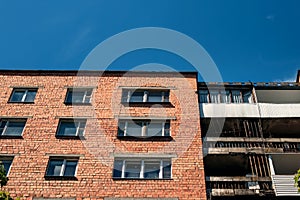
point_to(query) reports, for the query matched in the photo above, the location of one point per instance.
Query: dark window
(62, 167)
(71, 127)
(79, 95)
(23, 95)
(12, 127)
(6, 161)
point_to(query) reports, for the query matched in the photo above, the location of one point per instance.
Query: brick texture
(100, 143)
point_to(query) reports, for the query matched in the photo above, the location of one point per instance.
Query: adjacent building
(101, 135)
(250, 139)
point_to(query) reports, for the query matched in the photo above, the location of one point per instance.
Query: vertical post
(142, 169)
(145, 97)
(271, 165)
(123, 169)
(161, 168)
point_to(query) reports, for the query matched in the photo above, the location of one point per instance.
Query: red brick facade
(100, 144)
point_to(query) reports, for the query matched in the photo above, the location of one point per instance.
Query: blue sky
(257, 40)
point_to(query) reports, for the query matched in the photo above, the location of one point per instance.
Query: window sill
(70, 137)
(20, 102)
(145, 138)
(11, 137)
(77, 104)
(167, 104)
(72, 178)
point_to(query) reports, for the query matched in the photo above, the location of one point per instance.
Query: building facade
(101, 135)
(251, 139)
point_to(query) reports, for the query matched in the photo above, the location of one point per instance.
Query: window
(71, 127)
(62, 167)
(6, 161)
(226, 96)
(22, 95)
(12, 127)
(142, 168)
(152, 96)
(144, 128)
(79, 96)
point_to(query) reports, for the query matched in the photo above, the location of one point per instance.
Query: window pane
(167, 169)
(247, 97)
(154, 129)
(121, 127)
(17, 96)
(214, 96)
(236, 96)
(167, 129)
(15, 128)
(70, 168)
(225, 96)
(137, 97)
(152, 169)
(132, 169)
(54, 167)
(77, 97)
(67, 129)
(117, 173)
(30, 96)
(204, 98)
(155, 96)
(6, 162)
(134, 128)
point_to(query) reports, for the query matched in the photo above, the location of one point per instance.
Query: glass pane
(167, 169)
(225, 96)
(152, 169)
(132, 169)
(70, 168)
(134, 129)
(6, 165)
(30, 96)
(236, 96)
(75, 96)
(214, 96)
(137, 97)
(167, 129)
(154, 129)
(121, 127)
(247, 97)
(67, 129)
(204, 96)
(54, 167)
(155, 97)
(117, 173)
(14, 128)
(17, 96)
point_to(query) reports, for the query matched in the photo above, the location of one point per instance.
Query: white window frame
(63, 166)
(142, 168)
(219, 95)
(146, 95)
(85, 90)
(144, 129)
(25, 90)
(74, 120)
(7, 121)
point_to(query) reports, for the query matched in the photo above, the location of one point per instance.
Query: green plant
(297, 180)
(3, 178)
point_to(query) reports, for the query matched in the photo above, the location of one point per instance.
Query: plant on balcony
(297, 180)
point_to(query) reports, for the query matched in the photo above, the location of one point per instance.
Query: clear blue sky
(257, 40)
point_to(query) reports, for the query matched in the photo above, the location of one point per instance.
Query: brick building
(95, 135)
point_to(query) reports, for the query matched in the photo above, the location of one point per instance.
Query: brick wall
(100, 143)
